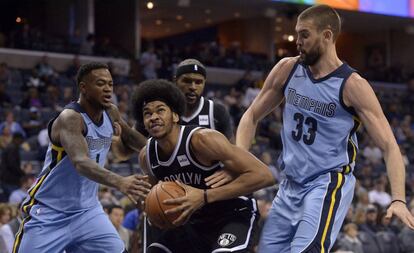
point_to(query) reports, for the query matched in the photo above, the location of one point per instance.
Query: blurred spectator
(250, 95)
(17, 196)
(131, 220)
(372, 153)
(44, 69)
(368, 231)
(378, 195)
(5, 75)
(33, 124)
(406, 237)
(150, 63)
(350, 242)
(88, 45)
(245, 82)
(10, 170)
(386, 235)
(5, 138)
(7, 232)
(5, 100)
(106, 197)
(5, 213)
(32, 99)
(34, 81)
(266, 158)
(12, 125)
(72, 70)
(116, 215)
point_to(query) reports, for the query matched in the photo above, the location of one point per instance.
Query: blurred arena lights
(18, 20)
(150, 5)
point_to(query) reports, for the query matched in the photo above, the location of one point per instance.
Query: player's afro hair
(157, 90)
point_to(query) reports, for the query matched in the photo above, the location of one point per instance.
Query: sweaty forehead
(153, 104)
(102, 74)
(305, 25)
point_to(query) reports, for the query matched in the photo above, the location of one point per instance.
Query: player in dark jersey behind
(211, 219)
(62, 211)
(190, 77)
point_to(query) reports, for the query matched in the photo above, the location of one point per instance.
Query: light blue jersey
(59, 185)
(318, 132)
(62, 212)
(319, 149)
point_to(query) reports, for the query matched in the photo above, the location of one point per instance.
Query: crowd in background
(30, 98)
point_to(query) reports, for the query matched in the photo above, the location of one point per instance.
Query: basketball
(154, 208)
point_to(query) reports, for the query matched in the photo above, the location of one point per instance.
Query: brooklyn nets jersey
(59, 185)
(318, 132)
(203, 116)
(184, 166)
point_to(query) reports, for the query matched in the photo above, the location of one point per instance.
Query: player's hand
(400, 210)
(219, 178)
(187, 205)
(136, 187)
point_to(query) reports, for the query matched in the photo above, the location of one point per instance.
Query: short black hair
(153, 90)
(112, 207)
(87, 68)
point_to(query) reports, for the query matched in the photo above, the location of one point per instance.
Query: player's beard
(312, 57)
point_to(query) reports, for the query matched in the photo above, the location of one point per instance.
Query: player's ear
(82, 87)
(176, 118)
(328, 34)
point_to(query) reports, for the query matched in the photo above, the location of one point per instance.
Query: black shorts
(231, 225)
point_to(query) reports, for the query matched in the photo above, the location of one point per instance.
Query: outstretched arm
(210, 146)
(69, 126)
(269, 97)
(130, 141)
(359, 94)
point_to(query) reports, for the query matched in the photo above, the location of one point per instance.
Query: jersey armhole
(290, 76)
(50, 125)
(349, 109)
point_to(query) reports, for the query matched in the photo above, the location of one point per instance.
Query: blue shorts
(45, 230)
(308, 217)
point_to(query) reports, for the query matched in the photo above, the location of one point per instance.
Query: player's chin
(106, 104)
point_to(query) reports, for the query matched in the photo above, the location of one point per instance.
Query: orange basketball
(154, 208)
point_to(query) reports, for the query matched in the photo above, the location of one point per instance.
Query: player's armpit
(143, 165)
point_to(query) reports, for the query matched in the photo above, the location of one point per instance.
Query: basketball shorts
(46, 230)
(233, 228)
(308, 217)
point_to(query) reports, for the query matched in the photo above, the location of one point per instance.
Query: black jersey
(203, 116)
(210, 114)
(182, 164)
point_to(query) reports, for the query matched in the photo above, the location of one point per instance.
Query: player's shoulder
(206, 137)
(287, 64)
(69, 117)
(355, 81)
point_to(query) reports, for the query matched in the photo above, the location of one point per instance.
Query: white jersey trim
(174, 154)
(246, 243)
(187, 149)
(211, 114)
(196, 112)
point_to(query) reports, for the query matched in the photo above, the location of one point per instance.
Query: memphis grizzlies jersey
(203, 115)
(318, 132)
(59, 185)
(182, 164)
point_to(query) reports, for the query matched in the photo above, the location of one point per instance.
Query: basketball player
(63, 211)
(212, 219)
(326, 100)
(190, 78)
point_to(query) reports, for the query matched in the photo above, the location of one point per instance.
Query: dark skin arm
(210, 146)
(68, 131)
(130, 141)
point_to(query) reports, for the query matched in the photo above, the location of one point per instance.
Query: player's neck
(191, 108)
(168, 143)
(93, 112)
(326, 64)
